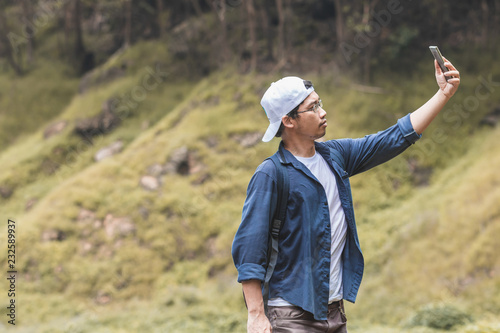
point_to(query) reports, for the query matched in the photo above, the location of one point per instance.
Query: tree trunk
(339, 22)
(219, 7)
(79, 47)
(366, 12)
(159, 17)
(368, 8)
(28, 16)
(281, 31)
(225, 46)
(127, 31)
(439, 19)
(68, 18)
(6, 46)
(196, 6)
(251, 30)
(267, 31)
(485, 18)
(496, 20)
(288, 28)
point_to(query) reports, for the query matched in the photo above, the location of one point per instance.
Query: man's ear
(288, 122)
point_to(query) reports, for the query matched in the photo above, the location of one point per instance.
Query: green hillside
(140, 241)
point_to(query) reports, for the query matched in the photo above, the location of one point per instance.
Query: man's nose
(322, 112)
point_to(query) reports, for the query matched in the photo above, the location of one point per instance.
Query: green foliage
(443, 317)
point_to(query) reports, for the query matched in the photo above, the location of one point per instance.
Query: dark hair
(292, 114)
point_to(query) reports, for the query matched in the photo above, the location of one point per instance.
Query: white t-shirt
(320, 169)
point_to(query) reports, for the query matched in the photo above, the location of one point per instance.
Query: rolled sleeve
(251, 242)
(251, 272)
(407, 130)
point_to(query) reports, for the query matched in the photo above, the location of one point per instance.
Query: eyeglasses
(314, 108)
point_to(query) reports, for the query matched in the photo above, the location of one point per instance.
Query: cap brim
(271, 131)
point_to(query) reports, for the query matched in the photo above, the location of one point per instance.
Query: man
(319, 260)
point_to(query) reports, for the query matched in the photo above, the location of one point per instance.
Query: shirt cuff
(251, 272)
(407, 129)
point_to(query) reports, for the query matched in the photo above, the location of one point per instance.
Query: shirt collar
(291, 160)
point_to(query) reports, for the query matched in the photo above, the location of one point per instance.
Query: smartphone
(437, 55)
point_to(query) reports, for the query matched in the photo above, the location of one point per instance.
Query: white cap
(281, 98)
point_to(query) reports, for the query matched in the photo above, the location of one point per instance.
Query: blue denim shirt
(301, 276)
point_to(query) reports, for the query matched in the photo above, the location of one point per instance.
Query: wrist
(256, 311)
(443, 95)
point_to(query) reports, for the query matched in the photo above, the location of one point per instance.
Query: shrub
(444, 317)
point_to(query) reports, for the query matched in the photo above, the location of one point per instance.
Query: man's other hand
(258, 323)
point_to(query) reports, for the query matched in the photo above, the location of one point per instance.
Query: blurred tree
(219, 7)
(127, 30)
(267, 31)
(9, 42)
(251, 29)
(368, 29)
(339, 22)
(357, 34)
(79, 48)
(485, 9)
(159, 17)
(496, 15)
(73, 34)
(281, 33)
(28, 16)
(196, 6)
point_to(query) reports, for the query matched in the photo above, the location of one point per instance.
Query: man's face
(311, 124)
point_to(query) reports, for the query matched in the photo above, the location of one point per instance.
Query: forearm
(253, 296)
(424, 115)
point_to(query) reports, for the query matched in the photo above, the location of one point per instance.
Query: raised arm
(423, 116)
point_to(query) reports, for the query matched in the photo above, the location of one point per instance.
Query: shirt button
(325, 203)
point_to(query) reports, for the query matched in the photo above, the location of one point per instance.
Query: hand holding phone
(439, 58)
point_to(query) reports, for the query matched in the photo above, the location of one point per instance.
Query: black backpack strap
(283, 185)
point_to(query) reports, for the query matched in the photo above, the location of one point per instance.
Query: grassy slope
(35, 98)
(178, 262)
